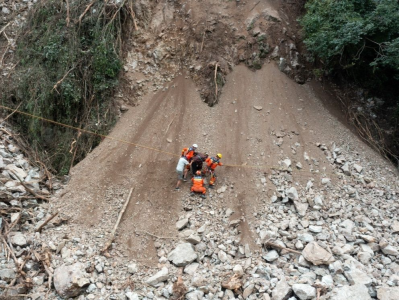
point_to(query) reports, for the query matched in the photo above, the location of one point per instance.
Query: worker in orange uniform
(198, 185)
(211, 164)
(188, 153)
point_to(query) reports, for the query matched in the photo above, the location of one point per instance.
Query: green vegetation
(359, 41)
(359, 37)
(68, 66)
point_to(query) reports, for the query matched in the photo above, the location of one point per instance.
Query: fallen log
(112, 236)
(45, 222)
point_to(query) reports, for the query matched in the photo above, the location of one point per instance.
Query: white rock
(132, 268)
(258, 107)
(181, 224)
(358, 168)
(132, 296)
(69, 281)
(158, 277)
(282, 290)
(15, 171)
(390, 250)
(238, 270)
(317, 255)
(182, 255)
(18, 239)
(315, 229)
(292, 193)
(304, 291)
(354, 292)
(271, 256)
(388, 293)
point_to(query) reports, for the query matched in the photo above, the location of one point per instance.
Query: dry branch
(30, 190)
(274, 245)
(153, 235)
(46, 222)
(62, 79)
(112, 236)
(216, 85)
(86, 10)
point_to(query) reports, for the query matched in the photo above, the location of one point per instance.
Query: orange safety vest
(197, 181)
(213, 162)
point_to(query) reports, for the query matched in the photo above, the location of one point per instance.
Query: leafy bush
(68, 68)
(360, 37)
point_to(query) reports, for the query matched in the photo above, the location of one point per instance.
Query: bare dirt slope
(245, 136)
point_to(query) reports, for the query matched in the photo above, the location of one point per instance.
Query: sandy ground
(245, 136)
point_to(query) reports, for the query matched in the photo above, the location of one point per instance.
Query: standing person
(180, 168)
(197, 162)
(198, 185)
(188, 153)
(211, 164)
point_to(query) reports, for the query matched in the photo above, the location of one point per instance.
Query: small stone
(292, 194)
(317, 255)
(132, 268)
(248, 291)
(304, 291)
(388, 293)
(354, 292)
(271, 256)
(182, 255)
(258, 107)
(358, 168)
(282, 290)
(181, 224)
(238, 270)
(18, 239)
(390, 250)
(158, 277)
(132, 296)
(315, 229)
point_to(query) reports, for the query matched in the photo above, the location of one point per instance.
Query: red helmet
(198, 172)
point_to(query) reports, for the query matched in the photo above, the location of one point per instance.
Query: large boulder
(304, 291)
(317, 255)
(282, 291)
(388, 293)
(182, 255)
(354, 292)
(70, 281)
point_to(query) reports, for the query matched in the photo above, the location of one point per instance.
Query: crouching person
(198, 185)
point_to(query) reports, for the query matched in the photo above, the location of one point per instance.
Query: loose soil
(166, 122)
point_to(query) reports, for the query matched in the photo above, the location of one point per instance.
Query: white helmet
(195, 146)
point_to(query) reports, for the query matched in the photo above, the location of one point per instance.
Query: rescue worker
(211, 164)
(197, 162)
(198, 185)
(188, 153)
(180, 169)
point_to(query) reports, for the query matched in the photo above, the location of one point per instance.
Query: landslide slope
(291, 122)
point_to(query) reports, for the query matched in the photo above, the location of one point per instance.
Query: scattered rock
(158, 277)
(182, 255)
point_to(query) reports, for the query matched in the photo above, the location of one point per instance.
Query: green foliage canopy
(360, 36)
(68, 68)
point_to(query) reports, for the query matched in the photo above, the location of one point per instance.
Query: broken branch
(46, 222)
(112, 236)
(274, 245)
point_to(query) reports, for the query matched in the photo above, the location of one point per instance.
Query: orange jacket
(188, 153)
(213, 162)
(197, 181)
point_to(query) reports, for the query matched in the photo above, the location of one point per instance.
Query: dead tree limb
(62, 79)
(13, 112)
(274, 245)
(86, 10)
(153, 235)
(112, 236)
(28, 189)
(133, 16)
(216, 84)
(46, 222)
